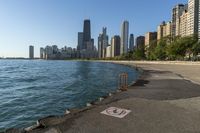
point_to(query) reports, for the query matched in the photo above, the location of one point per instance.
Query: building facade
(102, 42)
(131, 42)
(115, 45)
(31, 52)
(164, 30)
(86, 33)
(149, 37)
(193, 18)
(124, 37)
(176, 13)
(54, 53)
(108, 52)
(100, 46)
(80, 41)
(168, 28)
(86, 48)
(184, 24)
(41, 53)
(140, 42)
(161, 30)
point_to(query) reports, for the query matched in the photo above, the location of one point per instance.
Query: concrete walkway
(162, 101)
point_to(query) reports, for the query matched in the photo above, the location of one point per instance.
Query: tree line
(167, 48)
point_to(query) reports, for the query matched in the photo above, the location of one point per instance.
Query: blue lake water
(30, 90)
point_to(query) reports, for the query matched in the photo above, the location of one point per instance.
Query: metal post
(123, 81)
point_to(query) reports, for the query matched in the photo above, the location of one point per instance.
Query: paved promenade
(163, 100)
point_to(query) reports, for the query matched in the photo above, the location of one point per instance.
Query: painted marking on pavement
(116, 112)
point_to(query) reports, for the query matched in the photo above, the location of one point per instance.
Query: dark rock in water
(52, 120)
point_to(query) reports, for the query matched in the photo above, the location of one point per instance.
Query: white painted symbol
(116, 112)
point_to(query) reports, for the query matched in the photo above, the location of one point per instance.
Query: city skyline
(27, 26)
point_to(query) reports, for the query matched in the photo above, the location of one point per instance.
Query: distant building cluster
(185, 22)
(118, 45)
(53, 52)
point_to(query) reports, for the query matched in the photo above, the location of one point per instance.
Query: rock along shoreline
(69, 113)
(163, 99)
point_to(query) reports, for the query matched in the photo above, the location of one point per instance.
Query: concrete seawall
(164, 99)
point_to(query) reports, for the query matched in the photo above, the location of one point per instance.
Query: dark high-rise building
(100, 48)
(31, 52)
(86, 33)
(86, 48)
(140, 42)
(131, 42)
(115, 46)
(42, 53)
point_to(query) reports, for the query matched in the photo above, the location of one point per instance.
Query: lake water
(30, 90)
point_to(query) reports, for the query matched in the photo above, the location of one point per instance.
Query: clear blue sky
(56, 22)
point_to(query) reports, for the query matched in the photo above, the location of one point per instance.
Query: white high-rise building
(176, 13)
(124, 37)
(194, 18)
(184, 24)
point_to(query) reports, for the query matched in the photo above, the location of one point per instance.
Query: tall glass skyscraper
(86, 33)
(124, 37)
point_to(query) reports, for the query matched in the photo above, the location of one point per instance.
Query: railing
(123, 82)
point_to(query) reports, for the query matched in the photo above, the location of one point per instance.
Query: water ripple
(30, 90)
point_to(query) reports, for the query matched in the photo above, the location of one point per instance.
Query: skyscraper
(41, 53)
(102, 42)
(124, 37)
(31, 52)
(131, 42)
(161, 30)
(177, 11)
(140, 44)
(184, 24)
(80, 41)
(140, 40)
(86, 48)
(105, 37)
(86, 33)
(115, 44)
(100, 48)
(194, 18)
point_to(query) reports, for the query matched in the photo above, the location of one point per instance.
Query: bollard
(123, 81)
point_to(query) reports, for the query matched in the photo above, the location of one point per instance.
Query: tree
(196, 48)
(160, 50)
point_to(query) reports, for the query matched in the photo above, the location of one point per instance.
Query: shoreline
(41, 123)
(50, 122)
